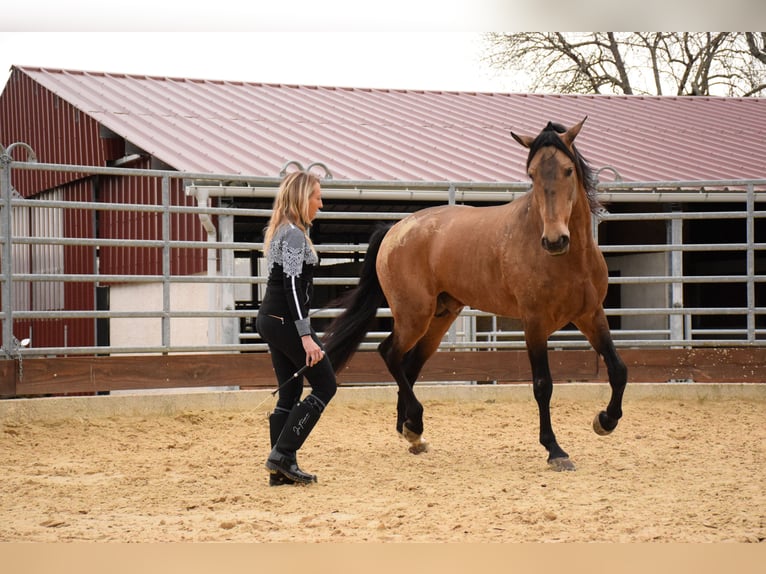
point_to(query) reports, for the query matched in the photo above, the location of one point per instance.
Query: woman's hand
(314, 352)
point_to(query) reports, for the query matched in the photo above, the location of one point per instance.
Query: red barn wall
(61, 134)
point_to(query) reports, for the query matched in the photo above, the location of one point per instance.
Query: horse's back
(422, 237)
(452, 249)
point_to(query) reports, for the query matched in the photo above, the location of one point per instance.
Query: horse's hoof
(418, 447)
(603, 427)
(417, 443)
(560, 464)
(410, 435)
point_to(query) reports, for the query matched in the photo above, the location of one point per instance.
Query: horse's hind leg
(409, 410)
(407, 368)
(596, 329)
(396, 367)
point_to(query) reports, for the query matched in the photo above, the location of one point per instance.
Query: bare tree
(660, 63)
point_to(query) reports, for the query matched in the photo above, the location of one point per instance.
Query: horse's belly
(482, 293)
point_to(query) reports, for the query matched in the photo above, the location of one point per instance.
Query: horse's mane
(548, 137)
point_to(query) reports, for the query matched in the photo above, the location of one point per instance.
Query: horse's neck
(581, 221)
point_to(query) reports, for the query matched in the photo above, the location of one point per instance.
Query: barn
(655, 156)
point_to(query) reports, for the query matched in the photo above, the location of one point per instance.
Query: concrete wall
(640, 295)
(141, 332)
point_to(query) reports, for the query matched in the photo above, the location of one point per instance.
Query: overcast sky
(400, 44)
(412, 60)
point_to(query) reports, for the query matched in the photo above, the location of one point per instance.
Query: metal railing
(666, 320)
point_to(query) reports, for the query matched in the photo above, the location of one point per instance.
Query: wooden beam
(96, 374)
(64, 375)
(708, 365)
(8, 378)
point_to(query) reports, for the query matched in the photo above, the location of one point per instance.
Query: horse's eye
(568, 172)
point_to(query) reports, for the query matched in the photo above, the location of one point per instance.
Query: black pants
(287, 356)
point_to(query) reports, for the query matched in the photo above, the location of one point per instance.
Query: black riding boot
(299, 424)
(277, 421)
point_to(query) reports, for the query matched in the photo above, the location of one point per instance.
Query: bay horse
(534, 259)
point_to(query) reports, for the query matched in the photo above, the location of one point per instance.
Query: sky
(395, 44)
(397, 60)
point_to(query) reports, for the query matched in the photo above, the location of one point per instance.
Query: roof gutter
(639, 194)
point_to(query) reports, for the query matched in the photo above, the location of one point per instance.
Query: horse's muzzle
(558, 247)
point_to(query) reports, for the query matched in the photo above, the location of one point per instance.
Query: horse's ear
(569, 136)
(526, 141)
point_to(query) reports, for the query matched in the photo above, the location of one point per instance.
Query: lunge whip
(295, 375)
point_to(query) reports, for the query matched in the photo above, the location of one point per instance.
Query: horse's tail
(346, 332)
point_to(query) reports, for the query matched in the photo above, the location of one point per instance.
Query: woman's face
(315, 201)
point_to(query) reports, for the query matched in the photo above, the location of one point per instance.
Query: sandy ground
(673, 471)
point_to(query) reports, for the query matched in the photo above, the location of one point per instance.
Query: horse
(534, 258)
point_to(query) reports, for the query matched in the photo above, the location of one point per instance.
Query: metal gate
(686, 261)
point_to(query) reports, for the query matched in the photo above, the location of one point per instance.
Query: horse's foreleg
(597, 332)
(542, 385)
(606, 421)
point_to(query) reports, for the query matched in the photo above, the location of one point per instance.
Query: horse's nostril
(559, 246)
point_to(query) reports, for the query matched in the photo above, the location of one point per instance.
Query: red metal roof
(254, 128)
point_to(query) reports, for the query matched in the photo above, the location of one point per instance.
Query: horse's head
(557, 172)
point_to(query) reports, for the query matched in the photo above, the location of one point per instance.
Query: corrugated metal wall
(62, 134)
(57, 259)
(58, 132)
(79, 259)
(133, 225)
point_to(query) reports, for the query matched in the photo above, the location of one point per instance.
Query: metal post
(229, 326)
(676, 237)
(166, 262)
(750, 263)
(10, 346)
(7, 267)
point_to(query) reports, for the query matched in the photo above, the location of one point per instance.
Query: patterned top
(290, 249)
(291, 263)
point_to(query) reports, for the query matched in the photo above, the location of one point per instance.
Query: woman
(283, 322)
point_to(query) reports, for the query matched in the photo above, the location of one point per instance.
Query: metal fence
(652, 280)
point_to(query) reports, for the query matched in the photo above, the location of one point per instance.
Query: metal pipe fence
(652, 279)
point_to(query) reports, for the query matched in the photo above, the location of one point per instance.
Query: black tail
(346, 332)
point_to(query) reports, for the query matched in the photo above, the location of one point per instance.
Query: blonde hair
(291, 205)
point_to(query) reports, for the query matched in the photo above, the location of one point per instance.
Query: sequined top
(291, 262)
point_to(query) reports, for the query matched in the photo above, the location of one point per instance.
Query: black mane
(549, 137)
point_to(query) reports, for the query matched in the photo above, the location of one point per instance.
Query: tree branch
(692, 63)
